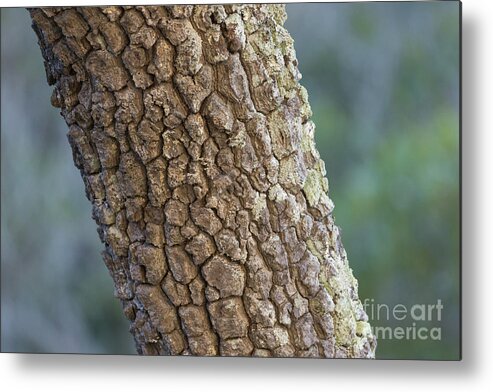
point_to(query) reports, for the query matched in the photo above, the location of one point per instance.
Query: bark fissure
(193, 137)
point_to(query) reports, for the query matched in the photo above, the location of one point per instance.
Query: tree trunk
(194, 141)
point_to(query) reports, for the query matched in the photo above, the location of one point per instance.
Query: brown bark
(193, 138)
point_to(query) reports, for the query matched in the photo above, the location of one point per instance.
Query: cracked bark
(193, 137)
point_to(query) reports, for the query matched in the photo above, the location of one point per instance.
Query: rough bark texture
(194, 141)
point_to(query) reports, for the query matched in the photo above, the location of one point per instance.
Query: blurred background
(383, 82)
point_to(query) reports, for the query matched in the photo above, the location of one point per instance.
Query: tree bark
(193, 137)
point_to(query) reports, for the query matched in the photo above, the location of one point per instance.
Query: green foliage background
(383, 81)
